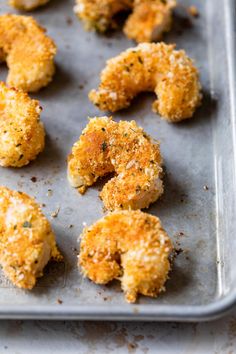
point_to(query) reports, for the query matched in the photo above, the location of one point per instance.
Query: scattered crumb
(33, 179)
(69, 21)
(82, 190)
(55, 213)
(70, 226)
(178, 251)
(193, 11)
(49, 193)
(132, 347)
(59, 301)
(74, 250)
(205, 188)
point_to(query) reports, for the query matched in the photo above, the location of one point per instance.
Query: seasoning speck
(27, 224)
(205, 188)
(104, 146)
(33, 179)
(55, 213)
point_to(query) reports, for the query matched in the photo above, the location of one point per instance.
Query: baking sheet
(197, 153)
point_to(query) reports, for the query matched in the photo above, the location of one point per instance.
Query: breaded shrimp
(130, 246)
(28, 52)
(124, 148)
(22, 135)
(171, 74)
(147, 21)
(27, 4)
(98, 14)
(27, 241)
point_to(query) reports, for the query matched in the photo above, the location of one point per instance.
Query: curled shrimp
(27, 242)
(22, 135)
(170, 73)
(28, 52)
(106, 146)
(130, 246)
(147, 21)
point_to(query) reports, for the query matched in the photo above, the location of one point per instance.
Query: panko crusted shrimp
(27, 5)
(28, 52)
(106, 146)
(147, 21)
(22, 135)
(130, 246)
(27, 242)
(157, 67)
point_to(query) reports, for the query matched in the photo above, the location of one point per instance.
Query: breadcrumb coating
(22, 135)
(27, 241)
(157, 67)
(27, 5)
(106, 146)
(28, 52)
(130, 246)
(98, 14)
(147, 21)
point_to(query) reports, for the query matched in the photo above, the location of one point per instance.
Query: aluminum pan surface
(190, 151)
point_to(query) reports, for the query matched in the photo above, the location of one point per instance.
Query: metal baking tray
(198, 207)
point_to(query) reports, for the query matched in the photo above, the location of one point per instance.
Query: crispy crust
(22, 135)
(27, 241)
(158, 67)
(130, 246)
(27, 5)
(147, 21)
(106, 146)
(28, 52)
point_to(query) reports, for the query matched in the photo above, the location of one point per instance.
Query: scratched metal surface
(196, 153)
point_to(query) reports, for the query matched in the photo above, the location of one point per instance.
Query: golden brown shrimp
(170, 73)
(106, 146)
(99, 14)
(27, 241)
(147, 22)
(27, 5)
(130, 246)
(22, 135)
(28, 52)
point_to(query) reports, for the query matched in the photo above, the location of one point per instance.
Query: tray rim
(180, 313)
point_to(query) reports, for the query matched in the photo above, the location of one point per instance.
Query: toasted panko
(157, 67)
(130, 246)
(27, 241)
(106, 146)
(28, 52)
(147, 21)
(22, 135)
(98, 14)
(27, 4)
